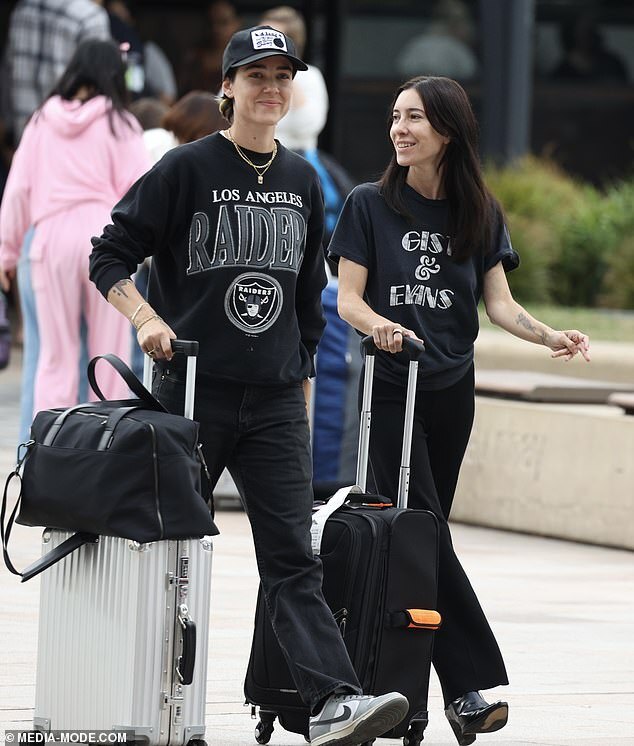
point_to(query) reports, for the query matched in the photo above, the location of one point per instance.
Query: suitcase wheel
(264, 729)
(413, 737)
(416, 731)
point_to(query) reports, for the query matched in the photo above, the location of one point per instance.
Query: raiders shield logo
(253, 302)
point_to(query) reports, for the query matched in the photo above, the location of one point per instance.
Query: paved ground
(563, 614)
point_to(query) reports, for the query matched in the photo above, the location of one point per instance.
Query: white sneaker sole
(373, 723)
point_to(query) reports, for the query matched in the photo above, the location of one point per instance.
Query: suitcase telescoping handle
(184, 347)
(415, 349)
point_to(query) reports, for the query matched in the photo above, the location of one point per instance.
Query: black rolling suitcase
(380, 580)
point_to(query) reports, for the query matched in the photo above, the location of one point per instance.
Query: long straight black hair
(99, 66)
(472, 208)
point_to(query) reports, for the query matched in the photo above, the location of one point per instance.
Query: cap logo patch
(268, 39)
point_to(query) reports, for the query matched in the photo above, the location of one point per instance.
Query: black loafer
(472, 714)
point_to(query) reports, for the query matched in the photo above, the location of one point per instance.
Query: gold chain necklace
(259, 170)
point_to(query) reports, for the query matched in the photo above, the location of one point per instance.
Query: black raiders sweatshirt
(236, 265)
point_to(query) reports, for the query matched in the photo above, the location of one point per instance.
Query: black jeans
(261, 435)
(466, 655)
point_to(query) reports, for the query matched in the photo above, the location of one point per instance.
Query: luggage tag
(354, 497)
(321, 515)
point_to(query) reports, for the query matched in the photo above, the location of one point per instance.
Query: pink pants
(63, 292)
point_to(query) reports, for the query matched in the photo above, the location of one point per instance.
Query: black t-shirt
(237, 265)
(412, 279)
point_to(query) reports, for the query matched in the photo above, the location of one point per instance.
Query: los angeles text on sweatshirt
(236, 265)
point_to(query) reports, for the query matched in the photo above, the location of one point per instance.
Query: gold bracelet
(138, 308)
(149, 318)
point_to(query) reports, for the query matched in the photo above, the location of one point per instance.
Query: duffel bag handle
(135, 386)
(179, 346)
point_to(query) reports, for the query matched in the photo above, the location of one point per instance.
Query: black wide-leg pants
(260, 433)
(466, 655)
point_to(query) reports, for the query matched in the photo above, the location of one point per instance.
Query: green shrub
(587, 241)
(619, 206)
(536, 197)
(574, 241)
(535, 188)
(532, 240)
(618, 284)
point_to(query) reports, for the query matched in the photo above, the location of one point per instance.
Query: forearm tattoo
(119, 288)
(523, 320)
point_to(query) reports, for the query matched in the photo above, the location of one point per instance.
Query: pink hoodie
(67, 155)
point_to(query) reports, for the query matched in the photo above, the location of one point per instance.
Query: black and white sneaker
(351, 719)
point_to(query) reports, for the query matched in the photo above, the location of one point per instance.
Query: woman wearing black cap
(417, 251)
(234, 224)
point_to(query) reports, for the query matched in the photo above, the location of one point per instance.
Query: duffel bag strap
(5, 533)
(50, 558)
(128, 376)
(55, 555)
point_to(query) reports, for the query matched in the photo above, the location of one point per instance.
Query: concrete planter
(565, 471)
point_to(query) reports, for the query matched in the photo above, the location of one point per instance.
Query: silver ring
(151, 352)
(397, 331)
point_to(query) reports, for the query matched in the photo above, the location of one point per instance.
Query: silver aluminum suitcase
(123, 634)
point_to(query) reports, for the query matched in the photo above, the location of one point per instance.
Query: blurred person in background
(43, 35)
(149, 113)
(446, 46)
(202, 66)
(300, 128)
(417, 251)
(79, 153)
(149, 71)
(193, 116)
(585, 56)
(306, 118)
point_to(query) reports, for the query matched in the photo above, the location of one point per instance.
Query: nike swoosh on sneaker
(347, 712)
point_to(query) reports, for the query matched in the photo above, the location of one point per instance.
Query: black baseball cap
(256, 43)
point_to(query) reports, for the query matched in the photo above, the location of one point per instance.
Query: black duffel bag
(124, 468)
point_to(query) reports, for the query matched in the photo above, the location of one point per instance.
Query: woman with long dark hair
(79, 153)
(234, 222)
(417, 251)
